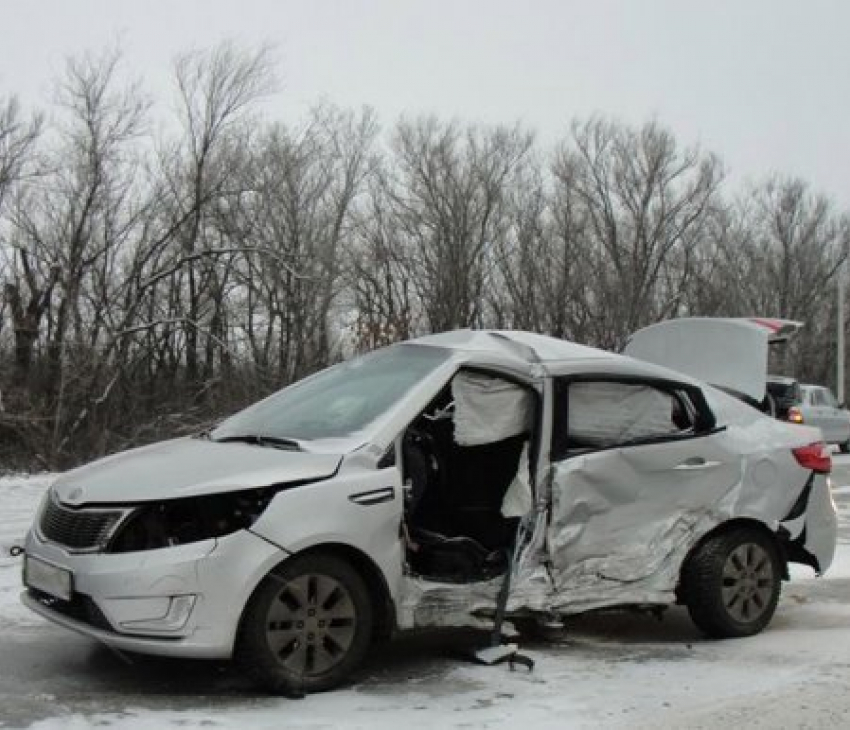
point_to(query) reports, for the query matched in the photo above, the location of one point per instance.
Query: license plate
(48, 578)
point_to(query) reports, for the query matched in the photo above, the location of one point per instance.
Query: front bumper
(181, 601)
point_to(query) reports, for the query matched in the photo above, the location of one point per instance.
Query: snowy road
(613, 671)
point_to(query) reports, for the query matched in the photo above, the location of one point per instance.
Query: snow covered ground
(609, 671)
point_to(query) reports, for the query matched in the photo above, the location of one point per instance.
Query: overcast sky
(764, 83)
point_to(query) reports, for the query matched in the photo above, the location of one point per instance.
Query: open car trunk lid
(730, 353)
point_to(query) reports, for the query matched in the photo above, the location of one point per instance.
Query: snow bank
(19, 498)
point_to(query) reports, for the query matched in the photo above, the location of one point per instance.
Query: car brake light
(795, 415)
(814, 456)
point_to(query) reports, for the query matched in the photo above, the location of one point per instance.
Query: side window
(592, 415)
(829, 398)
(817, 397)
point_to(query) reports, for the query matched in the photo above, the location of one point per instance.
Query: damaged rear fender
(808, 532)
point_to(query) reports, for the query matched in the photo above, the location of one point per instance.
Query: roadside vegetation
(161, 265)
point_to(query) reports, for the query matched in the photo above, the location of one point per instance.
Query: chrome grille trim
(79, 529)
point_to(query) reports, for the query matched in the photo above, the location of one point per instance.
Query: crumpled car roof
(524, 346)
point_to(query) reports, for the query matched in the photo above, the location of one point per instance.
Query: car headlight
(190, 519)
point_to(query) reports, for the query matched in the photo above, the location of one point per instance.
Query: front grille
(78, 529)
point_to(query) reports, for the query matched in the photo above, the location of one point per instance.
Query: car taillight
(795, 415)
(814, 456)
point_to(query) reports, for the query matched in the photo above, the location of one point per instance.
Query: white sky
(764, 83)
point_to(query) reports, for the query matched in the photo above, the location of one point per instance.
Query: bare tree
(780, 258)
(17, 139)
(295, 228)
(65, 229)
(643, 202)
(544, 281)
(449, 202)
(151, 285)
(380, 281)
(218, 91)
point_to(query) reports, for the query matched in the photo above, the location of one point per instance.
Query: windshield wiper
(276, 442)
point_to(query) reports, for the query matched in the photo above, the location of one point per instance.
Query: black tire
(845, 447)
(307, 626)
(731, 583)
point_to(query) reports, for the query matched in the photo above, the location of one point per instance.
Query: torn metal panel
(623, 520)
(427, 603)
(821, 523)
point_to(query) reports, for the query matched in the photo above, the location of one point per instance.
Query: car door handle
(373, 496)
(696, 463)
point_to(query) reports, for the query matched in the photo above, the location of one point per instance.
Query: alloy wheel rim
(310, 624)
(748, 582)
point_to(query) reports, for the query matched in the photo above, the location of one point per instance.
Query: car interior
(461, 457)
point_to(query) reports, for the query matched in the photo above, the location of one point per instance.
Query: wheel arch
(730, 526)
(372, 575)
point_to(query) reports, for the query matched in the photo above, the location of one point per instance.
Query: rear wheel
(307, 626)
(731, 583)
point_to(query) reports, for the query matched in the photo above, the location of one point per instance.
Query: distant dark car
(785, 393)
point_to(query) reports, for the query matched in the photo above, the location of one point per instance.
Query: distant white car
(400, 489)
(819, 407)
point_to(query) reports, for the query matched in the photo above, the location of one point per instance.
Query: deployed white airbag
(602, 414)
(518, 500)
(488, 409)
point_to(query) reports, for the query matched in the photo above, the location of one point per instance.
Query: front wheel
(307, 626)
(731, 583)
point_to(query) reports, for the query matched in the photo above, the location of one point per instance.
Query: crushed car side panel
(613, 527)
(623, 520)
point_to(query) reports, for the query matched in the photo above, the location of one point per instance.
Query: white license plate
(48, 578)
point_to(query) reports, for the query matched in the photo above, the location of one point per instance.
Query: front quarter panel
(360, 508)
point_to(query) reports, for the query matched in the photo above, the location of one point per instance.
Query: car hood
(729, 353)
(187, 467)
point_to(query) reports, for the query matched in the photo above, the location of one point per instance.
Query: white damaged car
(400, 489)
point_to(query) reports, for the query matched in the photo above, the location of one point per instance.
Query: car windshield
(339, 401)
